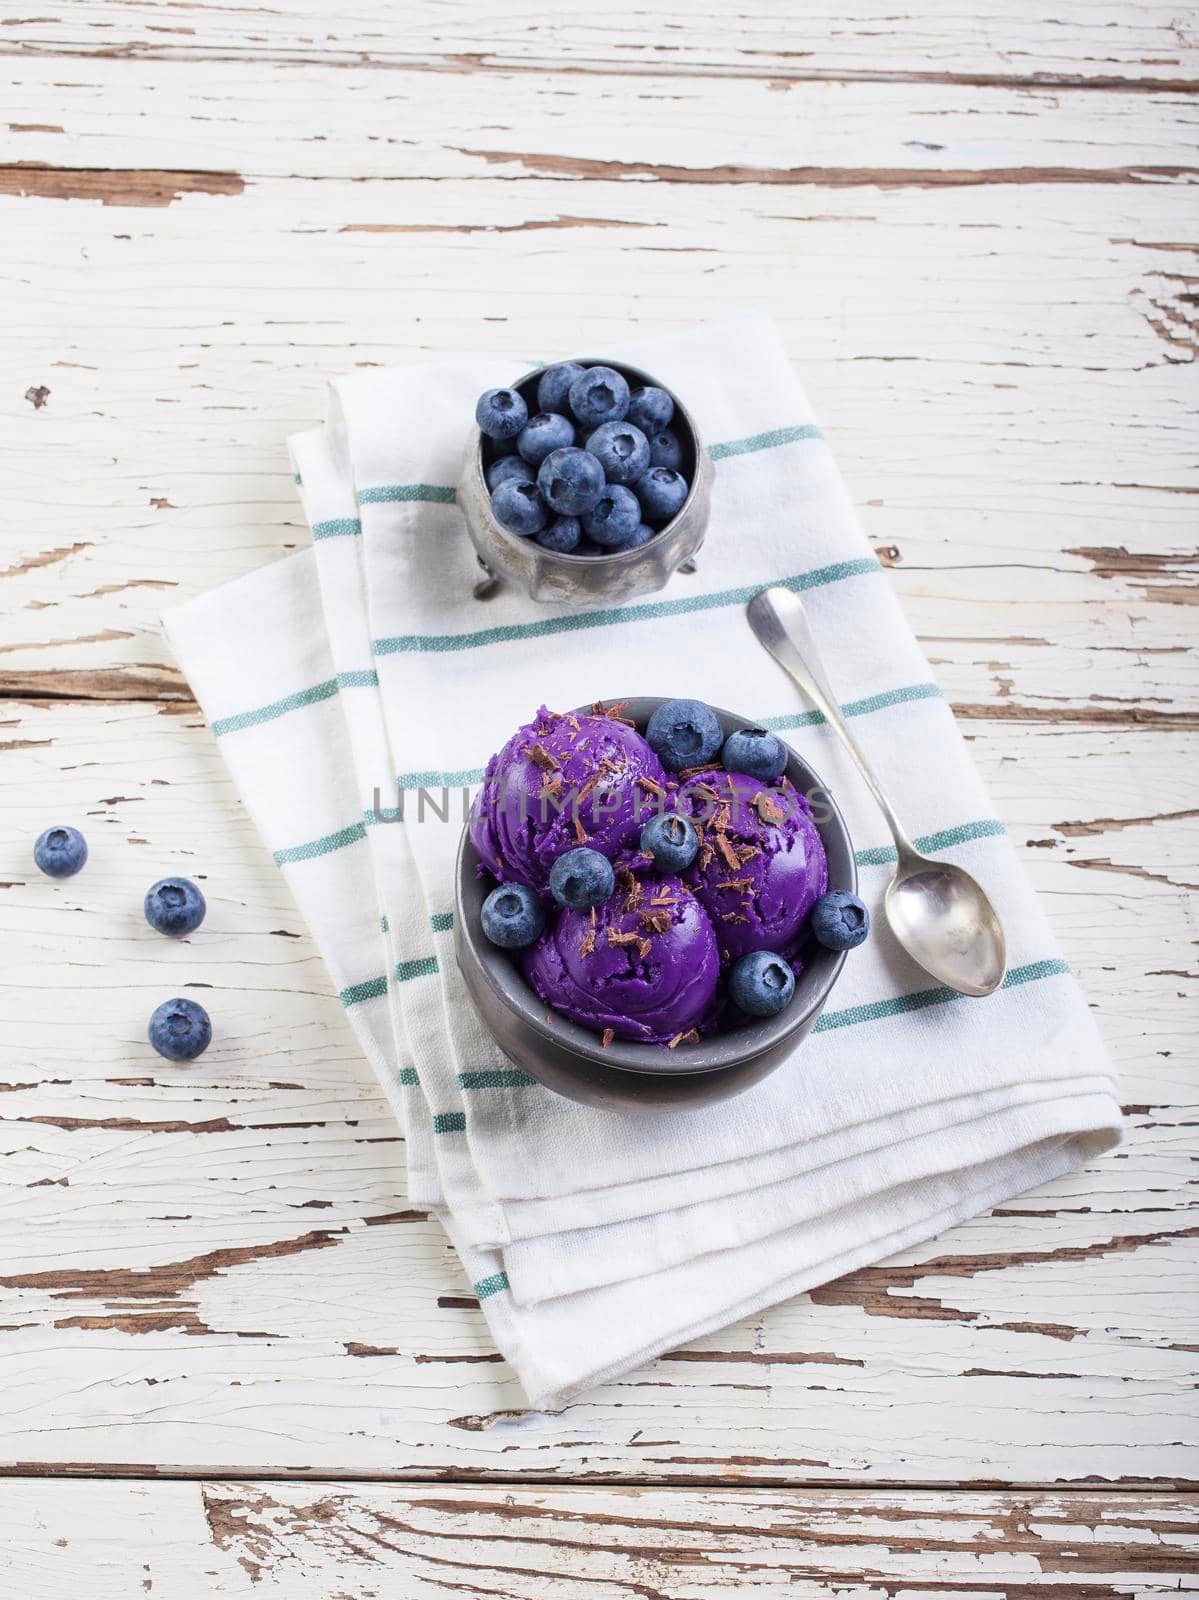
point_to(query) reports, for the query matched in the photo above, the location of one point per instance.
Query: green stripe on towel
(276, 708)
(901, 1004)
(858, 708)
(449, 1122)
(446, 494)
(764, 441)
(441, 921)
(496, 1078)
(408, 781)
(409, 1078)
(496, 1284)
(883, 855)
(852, 708)
(650, 611)
(364, 678)
(439, 780)
(402, 493)
(423, 967)
(574, 622)
(321, 847)
(337, 528)
(370, 990)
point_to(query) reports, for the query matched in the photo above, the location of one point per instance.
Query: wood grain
(1140, 42)
(978, 240)
(273, 1538)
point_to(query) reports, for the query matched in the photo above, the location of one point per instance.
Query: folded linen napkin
(345, 681)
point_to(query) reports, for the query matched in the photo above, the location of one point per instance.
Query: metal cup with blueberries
(585, 481)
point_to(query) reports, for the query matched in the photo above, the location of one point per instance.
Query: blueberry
(545, 432)
(60, 852)
(761, 983)
(512, 916)
(755, 752)
(174, 906)
(671, 840)
(684, 733)
(665, 450)
(553, 387)
(597, 395)
(640, 535)
(501, 413)
(561, 536)
(571, 481)
(582, 878)
(621, 449)
(518, 507)
(614, 518)
(509, 467)
(180, 1030)
(650, 408)
(839, 920)
(661, 493)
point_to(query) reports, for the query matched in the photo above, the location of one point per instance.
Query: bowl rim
(615, 557)
(500, 971)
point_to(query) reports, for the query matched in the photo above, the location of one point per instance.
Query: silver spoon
(939, 914)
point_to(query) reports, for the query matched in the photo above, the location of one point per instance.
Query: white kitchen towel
(906, 1108)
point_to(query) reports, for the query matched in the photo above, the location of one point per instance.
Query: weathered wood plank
(1105, 46)
(233, 1540)
(248, 121)
(1023, 475)
(215, 1267)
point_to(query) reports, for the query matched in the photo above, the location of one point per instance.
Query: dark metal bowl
(625, 1075)
(582, 580)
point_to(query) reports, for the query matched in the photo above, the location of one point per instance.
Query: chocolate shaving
(690, 1037)
(541, 757)
(730, 857)
(658, 921)
(552, 787)
(705, 855)
(651, 785)
(768, 809)
(744, 885)
(607, 1037)
(746, 852)
(622, 939)
(614, 712)
(644, 948)
(580, 831)
(587, 945)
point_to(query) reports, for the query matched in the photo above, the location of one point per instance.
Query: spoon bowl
(939, 913)
(945, 922)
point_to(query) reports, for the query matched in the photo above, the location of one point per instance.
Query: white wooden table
(233, 1361)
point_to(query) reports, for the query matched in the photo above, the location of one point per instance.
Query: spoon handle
(780, 622)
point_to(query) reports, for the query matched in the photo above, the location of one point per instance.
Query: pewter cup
(585, 580)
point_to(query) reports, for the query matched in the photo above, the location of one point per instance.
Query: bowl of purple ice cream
(626, 1003)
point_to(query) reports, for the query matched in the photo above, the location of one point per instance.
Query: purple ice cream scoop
(646, 968)
(564, 780)
(761, 865)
